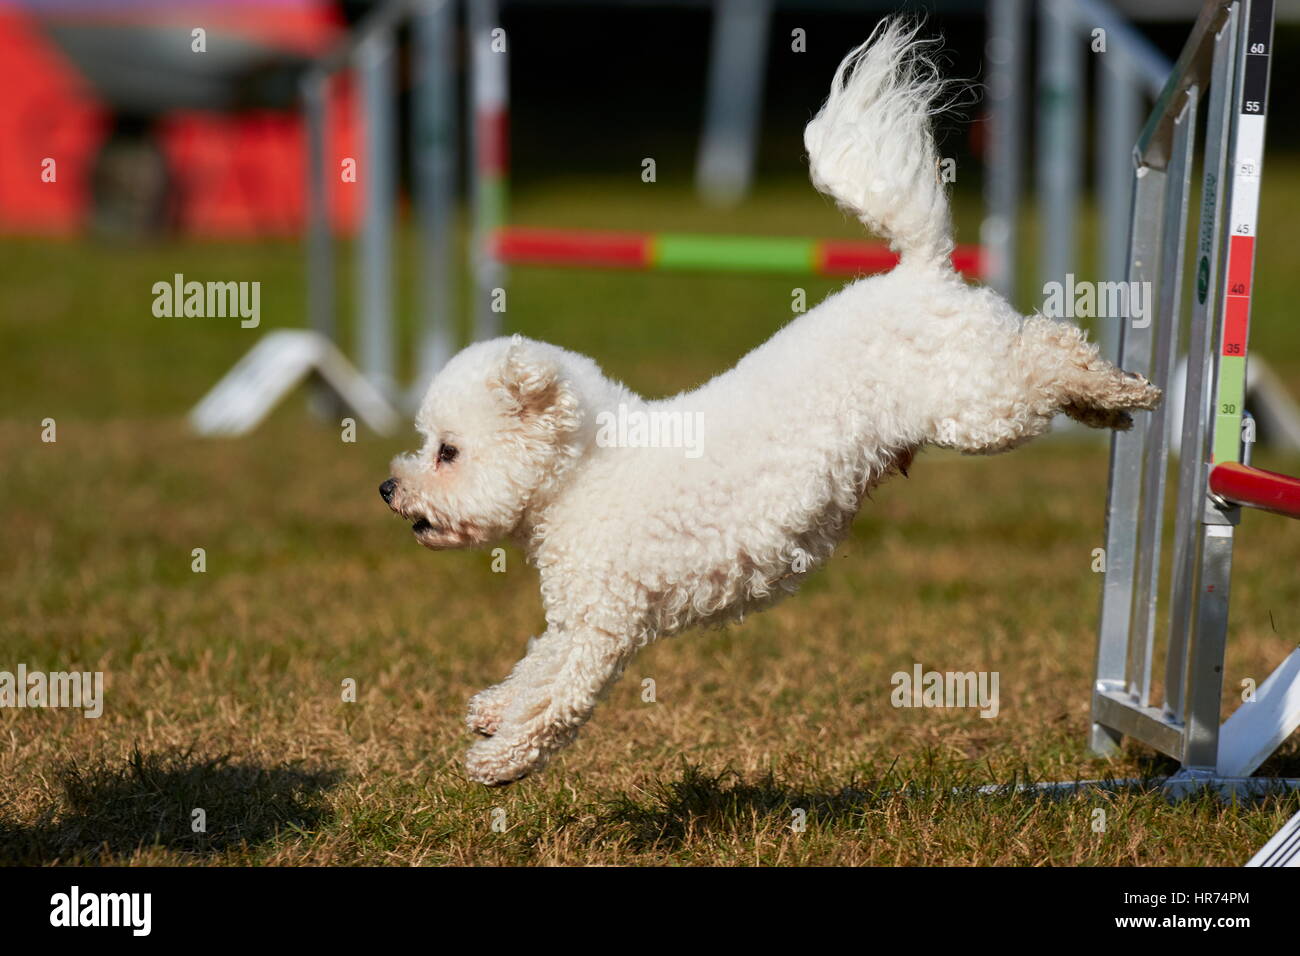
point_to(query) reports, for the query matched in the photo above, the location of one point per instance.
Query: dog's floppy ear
(534, 389)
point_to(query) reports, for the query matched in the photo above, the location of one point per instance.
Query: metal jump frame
(371, 51)
(1228, 57)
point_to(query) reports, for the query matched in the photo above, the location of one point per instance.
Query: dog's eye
(447, 453)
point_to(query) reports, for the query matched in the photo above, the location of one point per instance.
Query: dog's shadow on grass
(172, 799)
(696, 803)
(674, 813)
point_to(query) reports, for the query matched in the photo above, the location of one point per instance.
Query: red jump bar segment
(1257, 488)
(494, 133)
(969, 261)
(608, 250)
(847, 257)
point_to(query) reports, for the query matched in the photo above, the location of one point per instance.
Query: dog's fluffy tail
(871, 146)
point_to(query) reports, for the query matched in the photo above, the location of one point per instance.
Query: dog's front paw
(485, 710)
(498, 761)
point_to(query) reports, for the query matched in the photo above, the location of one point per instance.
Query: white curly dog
(635, 542)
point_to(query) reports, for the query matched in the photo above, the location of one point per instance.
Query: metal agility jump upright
(1223, 69)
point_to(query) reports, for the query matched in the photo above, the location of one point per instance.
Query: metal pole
(1005, 52)
(1060, 101)
(1119, 131)
(320, 285)
(737, 61)
(433, 148)
(1204, 690)
(1165, 327)
(320, 240)
(489, 92)
(1246, 144)
(1193, 447)
(1123, 500)
(377, 172)
(1123, 664)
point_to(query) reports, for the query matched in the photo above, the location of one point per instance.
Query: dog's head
(501, 423)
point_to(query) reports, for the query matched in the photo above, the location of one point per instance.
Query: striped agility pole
(490, 111)
(704, 253)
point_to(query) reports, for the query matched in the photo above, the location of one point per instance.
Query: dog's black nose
(386, 490)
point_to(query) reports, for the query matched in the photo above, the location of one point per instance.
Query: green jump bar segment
(733, 253)
(492, 191)
(1227, 413)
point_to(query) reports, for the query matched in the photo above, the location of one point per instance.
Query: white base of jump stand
(279, 362)
(1283, 849)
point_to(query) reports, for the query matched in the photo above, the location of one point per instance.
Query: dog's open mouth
(421, 526)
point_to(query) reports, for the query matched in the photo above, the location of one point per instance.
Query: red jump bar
(1257, 488)
(635, 250)
(573, 247)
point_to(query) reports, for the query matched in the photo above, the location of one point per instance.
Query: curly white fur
(636, 543)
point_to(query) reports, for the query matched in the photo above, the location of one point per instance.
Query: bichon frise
(635, 541)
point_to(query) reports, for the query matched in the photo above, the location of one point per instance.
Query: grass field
(224, 687)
